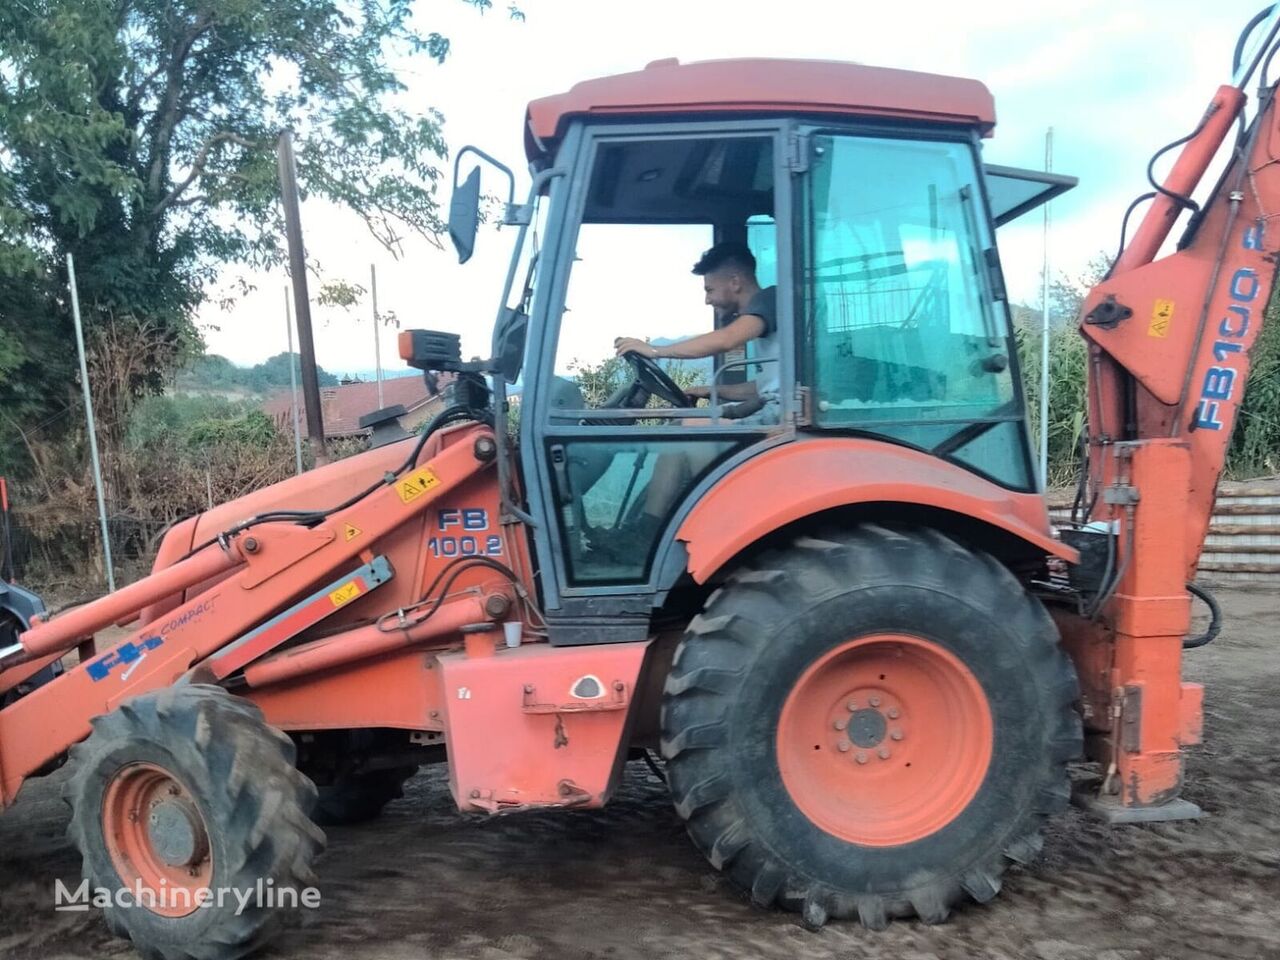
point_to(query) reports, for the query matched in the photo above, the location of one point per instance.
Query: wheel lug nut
(875, 701)
(893, 713)
(895, 734)
(841, 724)
(843, 746)
(861, 758)
(883, 753)
(852, 705)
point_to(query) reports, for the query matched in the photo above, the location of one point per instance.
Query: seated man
(729, 280)
(728, 272)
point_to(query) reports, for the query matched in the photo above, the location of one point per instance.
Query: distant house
(343, 406)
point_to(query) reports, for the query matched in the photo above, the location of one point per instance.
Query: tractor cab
(871, 221)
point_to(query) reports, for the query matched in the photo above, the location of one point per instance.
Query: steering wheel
(654, 379)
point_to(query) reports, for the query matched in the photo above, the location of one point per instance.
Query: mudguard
(797, 480)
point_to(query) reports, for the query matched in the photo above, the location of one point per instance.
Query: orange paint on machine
(821, 586)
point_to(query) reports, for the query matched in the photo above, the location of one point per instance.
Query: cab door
(615, 473)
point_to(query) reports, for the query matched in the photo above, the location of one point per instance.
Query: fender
(799, 479)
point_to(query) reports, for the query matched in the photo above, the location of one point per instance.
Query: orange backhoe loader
(835, 606)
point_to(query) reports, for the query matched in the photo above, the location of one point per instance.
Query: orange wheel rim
(884, 740)
(157, 840)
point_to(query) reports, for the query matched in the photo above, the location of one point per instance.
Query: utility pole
(93, 430)
(301, 302)
(293, 386)
(377, 347)
(1044, 328)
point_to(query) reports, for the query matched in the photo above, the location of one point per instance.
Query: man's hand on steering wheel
(640, 357)
(624, 345)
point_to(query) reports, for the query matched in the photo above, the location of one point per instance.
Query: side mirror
(464, 215)
(464, 206)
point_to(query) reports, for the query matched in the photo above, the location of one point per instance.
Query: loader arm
(272, 565)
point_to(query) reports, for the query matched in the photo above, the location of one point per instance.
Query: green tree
(273, 373)
(213, 372)
(140, 136)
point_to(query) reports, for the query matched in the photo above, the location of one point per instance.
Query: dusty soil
(625, 883)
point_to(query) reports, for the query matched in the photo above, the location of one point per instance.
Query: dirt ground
(625, 882)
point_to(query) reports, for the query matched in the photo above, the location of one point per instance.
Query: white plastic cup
(511, 632)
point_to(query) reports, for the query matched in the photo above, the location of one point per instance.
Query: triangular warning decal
(350, 532)
(413, 485)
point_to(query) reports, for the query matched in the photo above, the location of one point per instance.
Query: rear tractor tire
(871, 725)
(180, 795)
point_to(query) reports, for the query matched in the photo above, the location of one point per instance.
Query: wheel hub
(870, 720)
(176, 833)
(867, 727)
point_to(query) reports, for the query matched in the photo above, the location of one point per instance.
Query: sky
(1115, 79)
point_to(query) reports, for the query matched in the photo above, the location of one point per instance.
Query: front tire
(871, 725)
(188, 790)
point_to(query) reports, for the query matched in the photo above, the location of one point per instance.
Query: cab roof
(761, 86)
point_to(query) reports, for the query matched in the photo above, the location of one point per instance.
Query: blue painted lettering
(1218, 382)
(187, 616)
(1206, 416)
(1225, 327)
(1244, 284)
(1222, 349)
(126, 654)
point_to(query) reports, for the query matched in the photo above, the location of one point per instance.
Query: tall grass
(1067, 365)
(1255, 445)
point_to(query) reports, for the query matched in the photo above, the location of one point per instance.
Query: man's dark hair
(727, 254)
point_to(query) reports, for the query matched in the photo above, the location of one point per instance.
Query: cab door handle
(560, 467)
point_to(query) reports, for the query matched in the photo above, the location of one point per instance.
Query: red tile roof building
(343, 406)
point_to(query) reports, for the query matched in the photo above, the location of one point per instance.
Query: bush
(179, 455)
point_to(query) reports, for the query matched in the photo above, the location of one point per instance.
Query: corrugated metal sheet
(1243, 545)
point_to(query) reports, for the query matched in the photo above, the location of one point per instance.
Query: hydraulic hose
(1215, 618)
(1238, 57)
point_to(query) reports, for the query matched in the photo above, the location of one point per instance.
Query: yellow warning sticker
(1161, 315)
(345, 593)
(350, 532)
(413, 485)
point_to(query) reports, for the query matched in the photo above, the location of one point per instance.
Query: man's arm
(746, 327)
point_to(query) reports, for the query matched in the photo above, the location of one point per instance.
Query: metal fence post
(93, 433)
